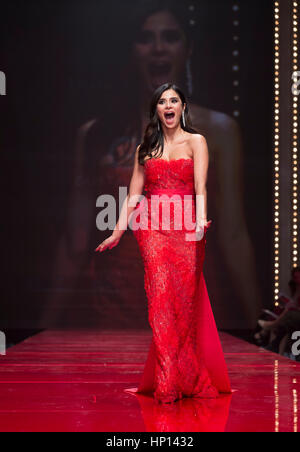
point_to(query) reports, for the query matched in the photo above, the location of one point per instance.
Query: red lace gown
(185, 357)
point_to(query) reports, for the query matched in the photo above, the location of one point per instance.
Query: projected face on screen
(156, 44)
(161, 50)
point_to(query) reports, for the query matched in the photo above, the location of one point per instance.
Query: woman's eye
(162, 101)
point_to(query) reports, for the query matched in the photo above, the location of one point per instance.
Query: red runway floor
(75, 381)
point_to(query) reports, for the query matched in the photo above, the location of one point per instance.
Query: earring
(183, 118)
(158, 126)
(189, 77)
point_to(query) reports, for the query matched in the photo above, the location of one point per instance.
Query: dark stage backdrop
(79, 78)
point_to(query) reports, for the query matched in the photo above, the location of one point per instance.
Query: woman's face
(160, 51)
(169, 109)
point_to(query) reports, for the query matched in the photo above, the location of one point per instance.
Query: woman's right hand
(110, 243)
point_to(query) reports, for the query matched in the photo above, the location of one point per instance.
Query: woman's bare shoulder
(223, 132)
(209, 119)
(195, 138)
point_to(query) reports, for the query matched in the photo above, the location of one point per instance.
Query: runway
(67, 381)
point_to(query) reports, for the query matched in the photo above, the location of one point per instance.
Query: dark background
(65, 64)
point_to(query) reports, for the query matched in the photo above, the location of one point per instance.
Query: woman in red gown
(170, 225)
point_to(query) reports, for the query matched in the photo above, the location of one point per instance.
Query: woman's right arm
(135, 191)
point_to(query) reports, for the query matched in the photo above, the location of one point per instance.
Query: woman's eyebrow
(171, 98)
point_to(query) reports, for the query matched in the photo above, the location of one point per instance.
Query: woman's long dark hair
(153, 138)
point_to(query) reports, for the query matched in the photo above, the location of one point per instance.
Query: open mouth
(159, 69)
(159, 73)
(169, 116)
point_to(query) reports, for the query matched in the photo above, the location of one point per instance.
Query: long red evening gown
(185, 357)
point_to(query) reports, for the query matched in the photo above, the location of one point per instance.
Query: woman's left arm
(201, 162)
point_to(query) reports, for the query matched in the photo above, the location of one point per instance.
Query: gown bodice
(173, 174)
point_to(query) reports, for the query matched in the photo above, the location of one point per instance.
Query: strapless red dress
(185, 357)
